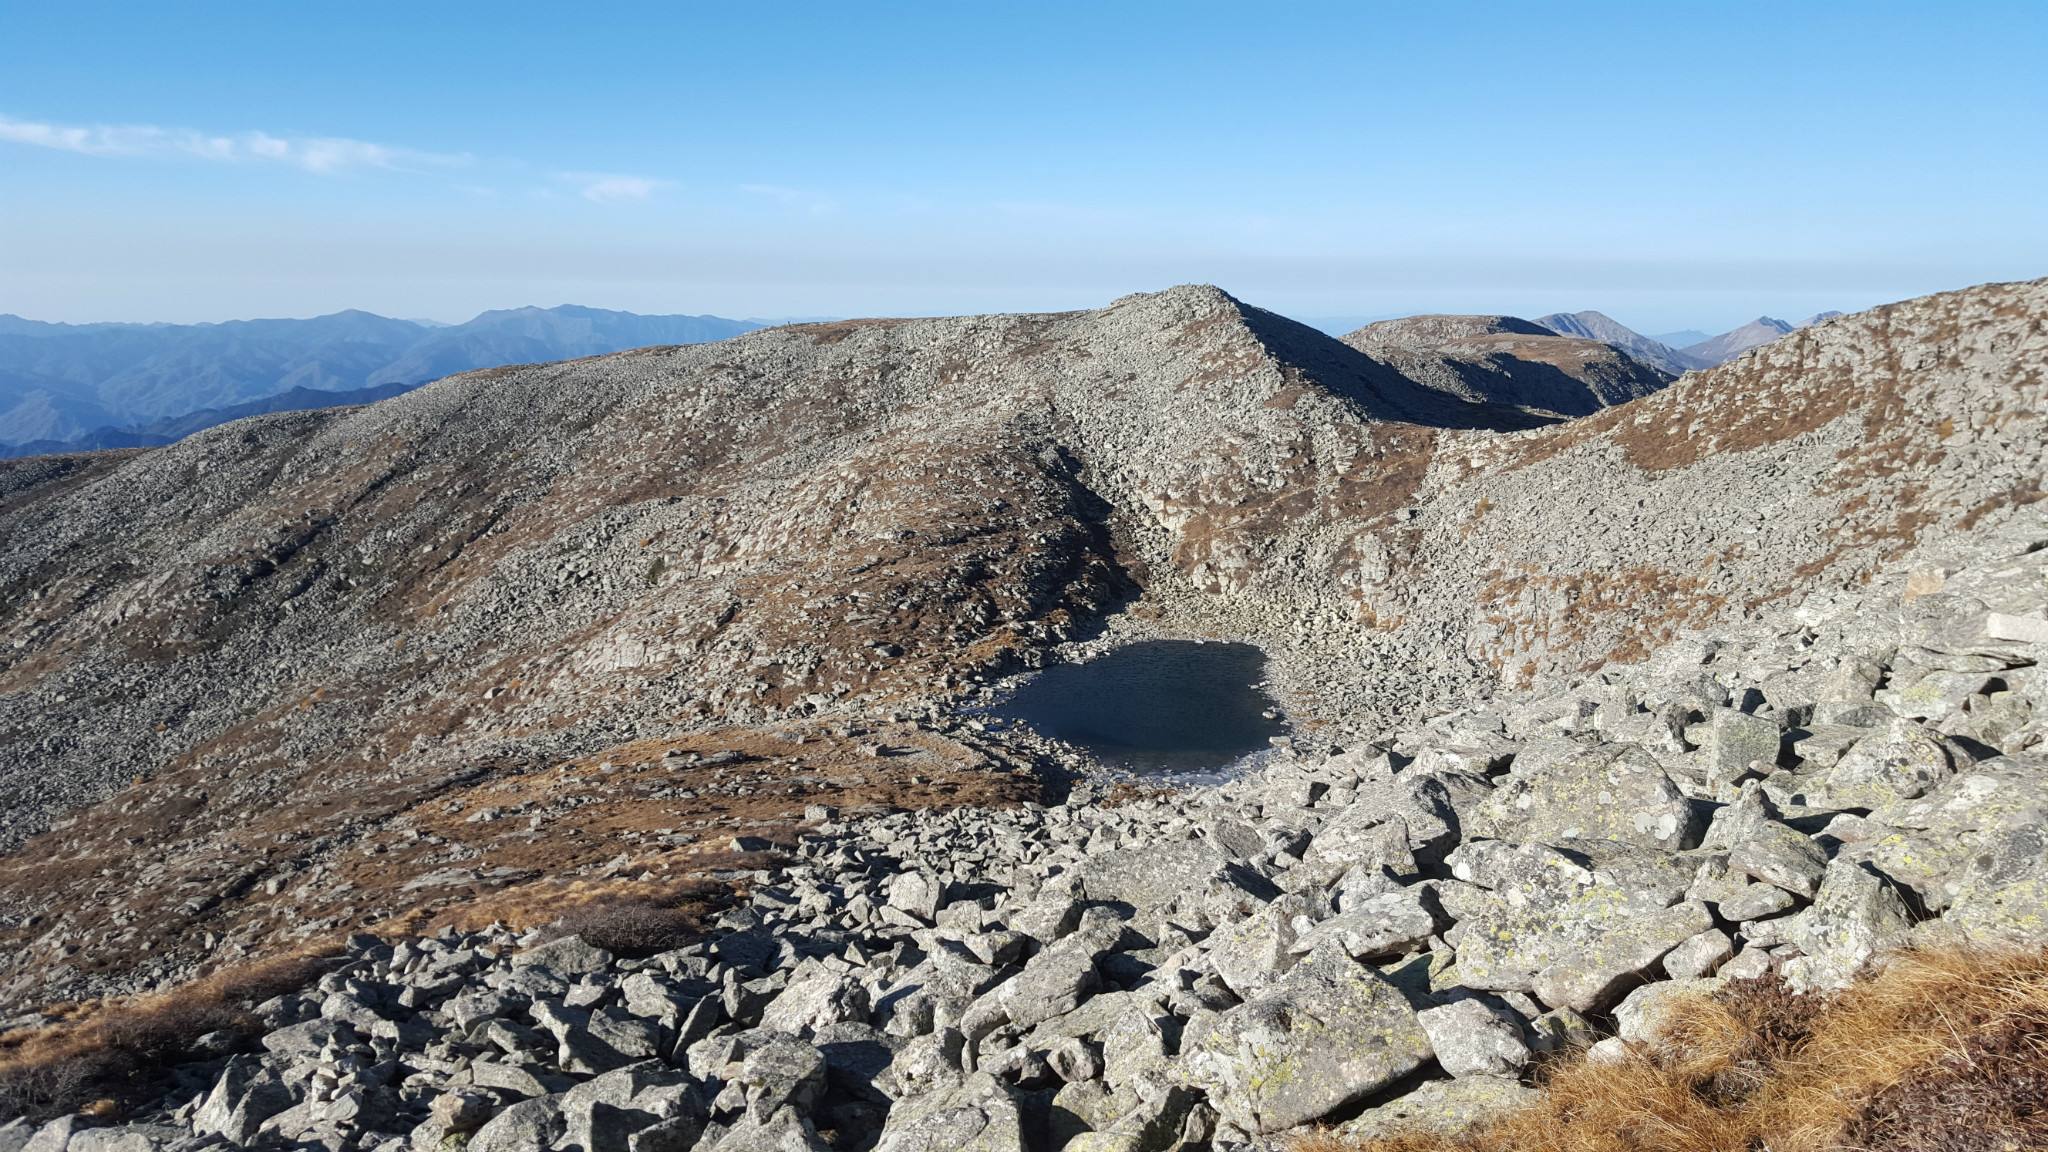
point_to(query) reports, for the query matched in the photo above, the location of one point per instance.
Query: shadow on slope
(1378, 388)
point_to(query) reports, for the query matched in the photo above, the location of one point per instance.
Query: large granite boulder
(1574, 939)
(1615, 792)
(1329, 1033)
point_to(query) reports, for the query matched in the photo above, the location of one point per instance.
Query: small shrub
(119, 1049)
(40, 1091)
(642, 923)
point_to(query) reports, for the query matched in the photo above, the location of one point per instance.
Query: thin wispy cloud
(318, 154)
(793, 198)
(315, 154)
(611, 187)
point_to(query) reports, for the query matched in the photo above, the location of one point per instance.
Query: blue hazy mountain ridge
(171, 429)
(66, 384)
(532, 335)
(1680, 338)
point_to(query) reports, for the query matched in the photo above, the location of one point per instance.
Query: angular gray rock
(781, 1072)
(1855, 914)
(1901, 762)
(817, 998)
(1573, 944)
(1761, 847)
(1648, 1012)
(528, 1126)
(568, 956)
(247, 1094)
(979, 1116)
(1473, 1038)
(1739, 744)
(1327, 1034)
(1444, 1106)
(1616, 792)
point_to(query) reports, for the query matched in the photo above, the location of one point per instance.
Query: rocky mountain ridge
(296, 654)
(1509, 361)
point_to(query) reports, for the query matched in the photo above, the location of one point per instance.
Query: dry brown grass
(105, 1052)
(1943, 1051)
(102, 1055)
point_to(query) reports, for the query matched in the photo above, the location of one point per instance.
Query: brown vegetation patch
(1935, 1052)
(1614, 615)
(2021, 493)
(640, 925)
(1755, 404)
(1778, 404)
(1385, 473)
(320, 848)
(113, 1051)
(1131, 792)
(627, 917)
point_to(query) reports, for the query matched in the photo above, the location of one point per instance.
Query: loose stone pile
(1383, 937)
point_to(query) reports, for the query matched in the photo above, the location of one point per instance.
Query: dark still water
(1162, 706)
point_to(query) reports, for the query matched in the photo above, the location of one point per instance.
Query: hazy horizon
(1334, 323)
(1673, 169)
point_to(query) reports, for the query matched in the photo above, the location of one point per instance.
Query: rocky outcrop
(1377, 938)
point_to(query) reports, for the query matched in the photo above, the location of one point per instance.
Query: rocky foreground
(1393, 935)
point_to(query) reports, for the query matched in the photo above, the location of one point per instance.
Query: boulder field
(1389, 935)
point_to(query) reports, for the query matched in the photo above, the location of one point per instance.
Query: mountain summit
(1728, 345)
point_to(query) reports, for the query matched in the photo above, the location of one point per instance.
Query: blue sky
(1673, 164)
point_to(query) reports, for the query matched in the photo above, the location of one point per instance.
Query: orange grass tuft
(1936, 1050)
(108, 1049)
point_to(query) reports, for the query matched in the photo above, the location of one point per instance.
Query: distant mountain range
(1697, 350)
(1728, 345)
(1758, 332)
(76, 387)
(172, 429)
(1683, 338)
(1604, 328)
(66, 387)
